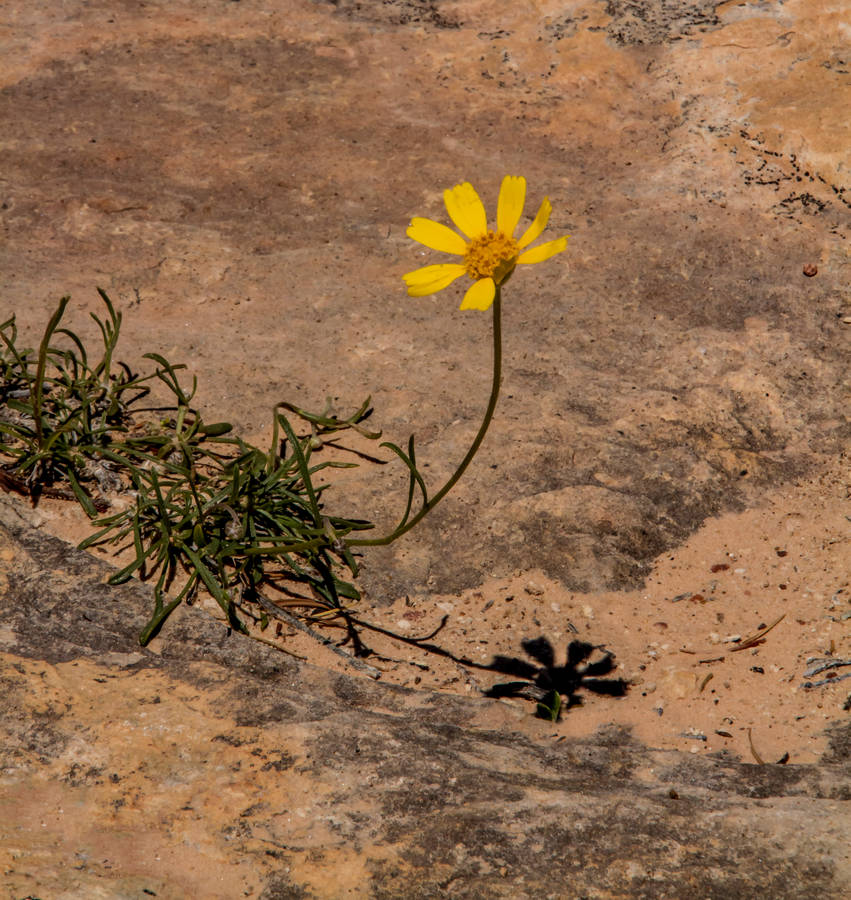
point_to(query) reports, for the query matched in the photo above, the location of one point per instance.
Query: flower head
(488, 256)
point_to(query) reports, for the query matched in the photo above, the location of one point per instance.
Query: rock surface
(239, 176)
(216, 767)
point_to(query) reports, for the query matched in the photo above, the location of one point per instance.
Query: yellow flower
(489, 257)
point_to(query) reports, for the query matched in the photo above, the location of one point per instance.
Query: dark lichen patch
(803, 203)
(78, 615)
(36, 735)
(682, 856)
(208, 640)
(395, 12)
(806, 193)
(746, 779)
(280, 763)
(359, 693)
(416, 801)
(443, 838)
(281, 887)
(637, 22)
(34, 615)
(592, 848)
(279, 71)
(232, 740)
(82, 776)
(254, 702)
(453, 761)
(560, 27)
(839, 745)
(258, 714)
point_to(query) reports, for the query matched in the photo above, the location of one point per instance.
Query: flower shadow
(582, 669)
(544, 681)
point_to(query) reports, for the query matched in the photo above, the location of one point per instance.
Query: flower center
(491, 255)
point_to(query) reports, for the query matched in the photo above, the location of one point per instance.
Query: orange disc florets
(489, 252)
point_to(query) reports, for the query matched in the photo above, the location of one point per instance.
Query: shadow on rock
(542, 681)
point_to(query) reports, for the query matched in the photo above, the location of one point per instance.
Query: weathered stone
(215, 766)
(239, 177)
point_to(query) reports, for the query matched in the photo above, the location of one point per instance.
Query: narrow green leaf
(303, 469)
(83, 498)
(157, 621)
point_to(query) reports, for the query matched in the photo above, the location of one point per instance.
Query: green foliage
(550, 707)
(60, 410)
(206, 508)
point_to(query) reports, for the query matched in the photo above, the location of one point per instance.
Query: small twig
(290, 619)
(757, 638)
(423, 667)
(824, 664)
(527, 691)
(420, 642)
(401, 637)
(812, 684)
(756, 756)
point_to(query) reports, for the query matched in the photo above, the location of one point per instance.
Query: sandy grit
(697, 669)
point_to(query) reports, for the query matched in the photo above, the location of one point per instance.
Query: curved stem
(480, 436)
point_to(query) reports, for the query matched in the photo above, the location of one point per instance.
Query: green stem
(480, 436)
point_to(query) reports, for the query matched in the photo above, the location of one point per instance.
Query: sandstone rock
(239, 177)
(217, 767)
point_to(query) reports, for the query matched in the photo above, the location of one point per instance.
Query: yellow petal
(431, 279)
(466, 210)
(534, 230)
(436, 236)
(480, 295)
(512, 196)
(542, 252)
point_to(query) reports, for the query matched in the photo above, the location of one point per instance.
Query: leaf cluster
(61, 410)
(203, 508)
